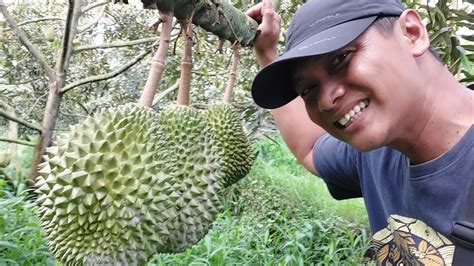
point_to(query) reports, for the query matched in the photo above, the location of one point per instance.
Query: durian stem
(186, 63)
(158, 61)
(232, 74)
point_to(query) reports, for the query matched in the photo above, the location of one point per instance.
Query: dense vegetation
(279, 214)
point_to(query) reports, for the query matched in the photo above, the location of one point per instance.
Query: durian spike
(186, 62)
(232, 74)
(158, 61)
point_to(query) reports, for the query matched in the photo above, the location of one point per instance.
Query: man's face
(366, 93)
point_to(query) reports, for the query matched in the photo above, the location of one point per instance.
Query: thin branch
(38, 20)
(212, 74)
(92, 23)
(93, 5)
(17, 141)
(232, 74)
(73, 14)
(13, 117)
(20, 34)
(165, 92)
(108, 75)
(19, 83)
(115, 44)
(36, 102)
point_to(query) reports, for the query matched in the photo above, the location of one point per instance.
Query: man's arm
(298, 131)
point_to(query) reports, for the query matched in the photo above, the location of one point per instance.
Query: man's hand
(268, 31)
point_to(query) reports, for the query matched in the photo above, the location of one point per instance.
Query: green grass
(281, 215)
(278, 215)
(278, 168)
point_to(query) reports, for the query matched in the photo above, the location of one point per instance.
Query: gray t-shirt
(411, 208)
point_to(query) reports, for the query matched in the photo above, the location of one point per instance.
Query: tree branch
(93, 5)
(36, 102)
(17, 141)
(74, 11)
(93, 23)
(39, 20)
(115, 44)
(20, 34)
(232, 74)
(165, 92)
(108, 75)
(13, 117)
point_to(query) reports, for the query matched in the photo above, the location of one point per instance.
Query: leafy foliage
(450, 25)
(21, 241)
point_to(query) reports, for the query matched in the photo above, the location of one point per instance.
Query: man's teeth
(355, 110)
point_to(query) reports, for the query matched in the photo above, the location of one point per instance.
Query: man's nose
(329, 94)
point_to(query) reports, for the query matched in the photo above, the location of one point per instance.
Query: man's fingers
(255, 12)
(268, 15)
(267, 4)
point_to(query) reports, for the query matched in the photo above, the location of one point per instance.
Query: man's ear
(414, 31)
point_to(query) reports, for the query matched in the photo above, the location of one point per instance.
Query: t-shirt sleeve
(335, 162)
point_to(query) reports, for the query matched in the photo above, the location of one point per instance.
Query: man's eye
(306, 91)
(340, 60)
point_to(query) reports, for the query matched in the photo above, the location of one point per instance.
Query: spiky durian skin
(196, 162)
(129, 182)
(105, 194)
(234, 147)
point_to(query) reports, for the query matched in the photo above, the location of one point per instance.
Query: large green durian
(130, 182)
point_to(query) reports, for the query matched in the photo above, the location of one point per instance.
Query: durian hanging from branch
(130, 182)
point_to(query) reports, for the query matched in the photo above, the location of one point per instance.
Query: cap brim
(272, 86)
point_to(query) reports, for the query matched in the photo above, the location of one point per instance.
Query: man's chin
(364, 145)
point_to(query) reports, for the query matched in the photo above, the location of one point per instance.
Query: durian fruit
(230, 137)
(196, 159)
(130, 182)
(104, 191)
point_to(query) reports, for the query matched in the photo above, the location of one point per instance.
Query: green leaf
(467, 65)
(468, 37)
(440, 32)
(6, 244)
(463, 15)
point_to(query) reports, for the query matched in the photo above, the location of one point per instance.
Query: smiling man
(363, 102)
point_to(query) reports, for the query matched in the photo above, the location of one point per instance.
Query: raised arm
(298, 131)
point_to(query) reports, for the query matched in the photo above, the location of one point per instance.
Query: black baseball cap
(318, 27)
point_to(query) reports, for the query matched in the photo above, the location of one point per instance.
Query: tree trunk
(56, 83)
(49, 122)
